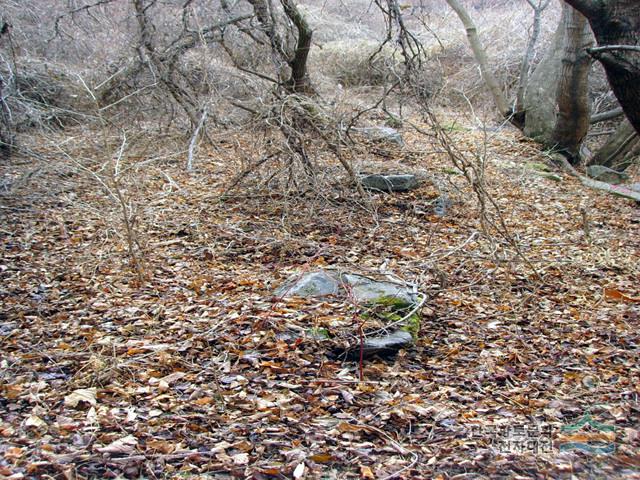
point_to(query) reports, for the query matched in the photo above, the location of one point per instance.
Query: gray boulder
(390, 183)
(383, 345)
(332, 282)
(313, 284)
(363, 291)
(606, 174)
(382, 134)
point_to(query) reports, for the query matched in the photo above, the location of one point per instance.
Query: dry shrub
(351, 65)
(47, 94)
(339, 20)
(504, 31)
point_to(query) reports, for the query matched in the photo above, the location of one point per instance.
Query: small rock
(390, 183)
(382, 134)
(606, 174)
(383, 345)
(332, 282)
(549, 176)
(366, 289)
(314, 284)
(442, 205)
(538, 166)
(635, 187)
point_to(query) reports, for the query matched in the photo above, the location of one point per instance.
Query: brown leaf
(365, 472)
(87, 395)
(124, 445)
(618, 296)
(321, 458)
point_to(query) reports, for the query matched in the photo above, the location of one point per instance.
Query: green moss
(394, 303)
(319, 333)
(538, 167)
(453, 127)
(412, 325)
(549, 176)
(393, 121)
(393, 309)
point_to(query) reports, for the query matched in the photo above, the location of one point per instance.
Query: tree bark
(557, 103)
(523, 80)
(617, 23)
(572, 122)
(299, 81)
(622, 148)
(540, 101)
(480, 55)
(286, 56)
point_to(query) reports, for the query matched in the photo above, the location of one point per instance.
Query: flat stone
(332, 282)
(606, 174)
(366, 290)
(313, 284)
(635, 187)
(390, 183)
(442, 205)
(382, 134)
(383, 345)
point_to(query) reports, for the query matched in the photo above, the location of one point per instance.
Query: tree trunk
(297, 79)
(572, 122)
(616, 23)
(523, 80)
(622, 148)
(540, 102)
(481, 57)
(557, 103)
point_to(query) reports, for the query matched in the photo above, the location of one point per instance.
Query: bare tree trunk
(622, 148)
(616, 25)
(572, 122)
(163, 69)
(480, 55)
(299, 81)
(523, 80)
(556, 103)
(284, 55)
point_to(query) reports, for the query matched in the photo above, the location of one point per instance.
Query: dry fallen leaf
(125, 445)
(240, 458)
(299, 471)
(617, 295)
(321, 458)
(87, 395)
(35, 421)
(365, 472)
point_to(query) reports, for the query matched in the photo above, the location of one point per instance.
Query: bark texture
(616, 23)
(295, 58)
(622, 148)
(572, 121)
(557, 103)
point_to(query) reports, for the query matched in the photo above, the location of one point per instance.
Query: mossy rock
(392, 309)
(538, 166)
(319, 333)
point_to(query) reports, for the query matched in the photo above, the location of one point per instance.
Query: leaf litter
(199, 373)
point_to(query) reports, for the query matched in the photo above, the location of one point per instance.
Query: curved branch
(589, 8)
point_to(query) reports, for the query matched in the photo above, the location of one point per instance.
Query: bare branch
(608, 48)
(608, 115)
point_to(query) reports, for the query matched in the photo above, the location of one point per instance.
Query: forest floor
(194, 372)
